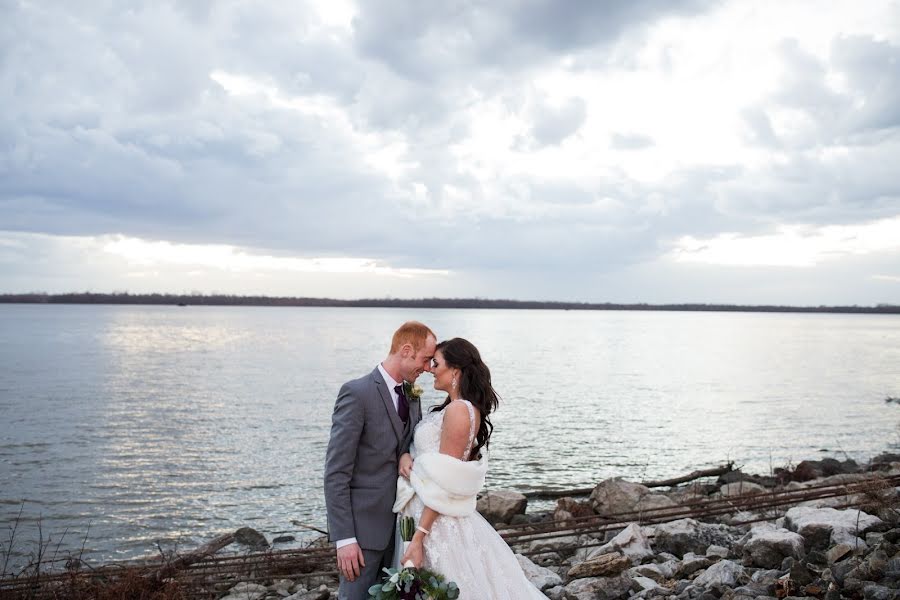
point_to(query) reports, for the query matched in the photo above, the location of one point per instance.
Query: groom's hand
(350, 560)
(406, 464)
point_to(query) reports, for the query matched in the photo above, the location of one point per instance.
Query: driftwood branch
(714, 472)
(311, 527)
(188, 559)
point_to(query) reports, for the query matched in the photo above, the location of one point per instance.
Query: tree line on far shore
(233, 300)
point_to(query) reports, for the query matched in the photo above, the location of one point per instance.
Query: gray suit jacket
(367, 439)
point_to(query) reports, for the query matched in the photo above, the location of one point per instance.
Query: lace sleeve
(465, 455)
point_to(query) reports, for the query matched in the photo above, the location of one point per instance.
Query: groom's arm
(346, 427)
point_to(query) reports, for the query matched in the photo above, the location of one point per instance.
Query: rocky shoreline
(844, 546)
(824, 529)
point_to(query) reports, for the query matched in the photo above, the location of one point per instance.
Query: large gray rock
(251, 537)
(556, 593)
(651, 571)
(741, 488)
(823, 527)
(687, 535)
(556, 544)
(646, 584)
(838, 552)
(714, 551)
(540, 577)
(616, 495)
(630, 542)
(246, 591)
(321, 593)
(690, 564)
(767, 546)
(723, 574)
(603, 565)
(873, 591)
(499, 506)
(600, 588)
(569, 508)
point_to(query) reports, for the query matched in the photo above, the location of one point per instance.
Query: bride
(441, 476)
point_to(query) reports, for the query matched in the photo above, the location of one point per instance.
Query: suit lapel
(388, 402)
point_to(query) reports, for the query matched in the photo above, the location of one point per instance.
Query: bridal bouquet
(410, 583)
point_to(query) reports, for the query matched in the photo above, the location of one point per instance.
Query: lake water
(172, 425)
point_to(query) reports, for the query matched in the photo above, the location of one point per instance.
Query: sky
(741, 152)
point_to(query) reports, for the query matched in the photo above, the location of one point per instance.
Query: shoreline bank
(585, 550)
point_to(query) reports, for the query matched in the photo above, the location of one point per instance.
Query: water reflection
(161, 424)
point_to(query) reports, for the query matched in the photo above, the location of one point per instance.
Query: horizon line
(220, 299)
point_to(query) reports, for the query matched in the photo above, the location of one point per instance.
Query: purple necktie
(402, 404)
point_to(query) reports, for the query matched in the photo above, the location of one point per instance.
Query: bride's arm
(454, 439)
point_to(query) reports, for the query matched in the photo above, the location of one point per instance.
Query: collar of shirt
(390, 383)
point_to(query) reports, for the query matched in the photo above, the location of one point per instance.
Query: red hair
(411, 332)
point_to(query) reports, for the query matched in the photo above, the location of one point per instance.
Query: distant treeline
(226, 300)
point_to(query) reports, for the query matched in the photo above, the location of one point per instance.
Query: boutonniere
(412, 391)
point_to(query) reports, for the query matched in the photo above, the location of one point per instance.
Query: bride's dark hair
(474, 385)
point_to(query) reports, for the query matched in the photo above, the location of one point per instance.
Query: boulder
(246, 591)
(499, 506)
(616, 495)
(600, 588)
(645, 584)
(281, 585)
(823, 527)
(765, 579)
(556, 593)
(283, 539)
(539, 577)
(688, 535)
(838, 552)
(874, 591)
(883, 460)
(690, 564)
(630, 542)
(814, 469)
(767, 547)
(603, 565)
(723, 574)
(251, 537)
(872, 568)
(321, 593)
(741, 488)
(652, 571)
(744, 592)
(556, 544)
(717, 551)
(569, 508)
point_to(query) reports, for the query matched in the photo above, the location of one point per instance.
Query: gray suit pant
(371, 574)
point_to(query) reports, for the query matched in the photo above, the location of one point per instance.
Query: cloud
(553, 124)
(631, 141)
(791, 246)
(577, 142)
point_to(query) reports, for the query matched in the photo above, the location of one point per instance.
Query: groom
(371, 427)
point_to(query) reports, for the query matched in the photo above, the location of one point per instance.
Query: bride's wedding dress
(465, 549)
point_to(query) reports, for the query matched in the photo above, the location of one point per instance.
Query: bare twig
(58, 544)
(310, 527)
(12, 540)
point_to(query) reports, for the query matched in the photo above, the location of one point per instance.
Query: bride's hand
(406, 464)
(415, 553)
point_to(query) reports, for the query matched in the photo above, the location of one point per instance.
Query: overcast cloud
(639, 151)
